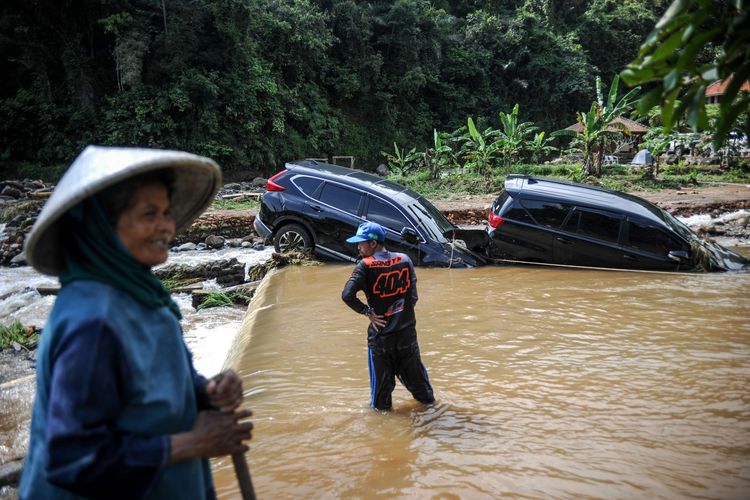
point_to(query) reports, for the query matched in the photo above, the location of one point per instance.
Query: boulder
(382, 170)
(12, 192)
(213, 241)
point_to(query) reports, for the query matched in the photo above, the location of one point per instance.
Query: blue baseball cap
(368, 231)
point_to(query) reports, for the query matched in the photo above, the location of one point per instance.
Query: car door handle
(563, 240)
(315, 207)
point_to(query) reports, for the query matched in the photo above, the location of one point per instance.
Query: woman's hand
(224, 391)
(214, 434)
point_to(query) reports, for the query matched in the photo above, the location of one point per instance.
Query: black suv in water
(316, 206)
(542, 220)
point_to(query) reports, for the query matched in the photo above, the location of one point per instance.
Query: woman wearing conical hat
(119, 410)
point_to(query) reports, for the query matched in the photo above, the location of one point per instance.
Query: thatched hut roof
(632, 126)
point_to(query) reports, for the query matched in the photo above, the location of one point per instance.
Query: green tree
(671, 57)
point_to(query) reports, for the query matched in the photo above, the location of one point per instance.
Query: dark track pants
(404, 363)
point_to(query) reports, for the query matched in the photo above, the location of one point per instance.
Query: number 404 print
(392, 283)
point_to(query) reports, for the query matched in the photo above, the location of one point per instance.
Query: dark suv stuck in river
(316, 206)
(542, 220)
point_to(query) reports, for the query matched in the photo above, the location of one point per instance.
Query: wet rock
(215, 242)
(15, 221)
(247, 244)
(234, 242)
(10, 472)
(228, 225)
(225, 271)
(232, 187)
(185, 247)
(18, 260)
(11, 192)
(259, 182)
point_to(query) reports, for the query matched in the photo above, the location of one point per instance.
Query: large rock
(213, 241)
(11, 192)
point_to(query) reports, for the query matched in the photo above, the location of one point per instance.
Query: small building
(719, 87)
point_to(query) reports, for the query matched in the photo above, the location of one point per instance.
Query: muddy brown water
(551, 383)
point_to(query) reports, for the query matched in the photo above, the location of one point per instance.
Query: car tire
(292, 237)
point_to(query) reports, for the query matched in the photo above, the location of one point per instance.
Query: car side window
(341, 198)
(306, 184)
(651, 239)
(386, 215)
(546, 213)
(595, 224)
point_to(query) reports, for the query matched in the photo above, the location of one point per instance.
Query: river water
(551, 383)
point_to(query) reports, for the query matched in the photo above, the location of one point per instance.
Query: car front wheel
(292, 237)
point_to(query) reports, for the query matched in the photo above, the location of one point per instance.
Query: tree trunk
(598, 156)
(588, 161)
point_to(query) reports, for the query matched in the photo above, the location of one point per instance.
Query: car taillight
(495, 220)
(272, 186)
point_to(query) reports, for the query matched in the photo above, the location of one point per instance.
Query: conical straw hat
(197, 179)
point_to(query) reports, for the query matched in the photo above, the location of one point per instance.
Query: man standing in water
(390, 284)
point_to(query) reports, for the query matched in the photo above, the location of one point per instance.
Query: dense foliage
(695, 43)
(255, 83)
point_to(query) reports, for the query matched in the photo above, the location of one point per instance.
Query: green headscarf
(93, 251)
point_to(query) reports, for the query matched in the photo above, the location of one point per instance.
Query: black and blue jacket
(390, 285)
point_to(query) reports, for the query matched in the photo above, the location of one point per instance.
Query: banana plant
(513, 135)
(400, 162)
(479, 150)
(540, 146)
(440, 157)
(598, 125)
(657, 141)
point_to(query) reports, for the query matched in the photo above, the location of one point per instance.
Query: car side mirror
(678, 255)
(410, 235)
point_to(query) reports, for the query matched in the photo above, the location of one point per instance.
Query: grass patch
(216, 299)
(224, 204)
(12, 210)
(175, 283)
(26, 337)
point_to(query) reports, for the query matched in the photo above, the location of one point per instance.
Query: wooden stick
(243, 476)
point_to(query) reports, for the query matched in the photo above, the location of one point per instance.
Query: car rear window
(594, 224)
(651, 239)
(386, 215)
(547, 213)
(341, 198)
(306, 184)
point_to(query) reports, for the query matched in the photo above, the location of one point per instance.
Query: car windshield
(678, 226)
(430, 219)
(433, 213)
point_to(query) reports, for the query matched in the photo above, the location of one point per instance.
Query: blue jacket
(114, 380)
